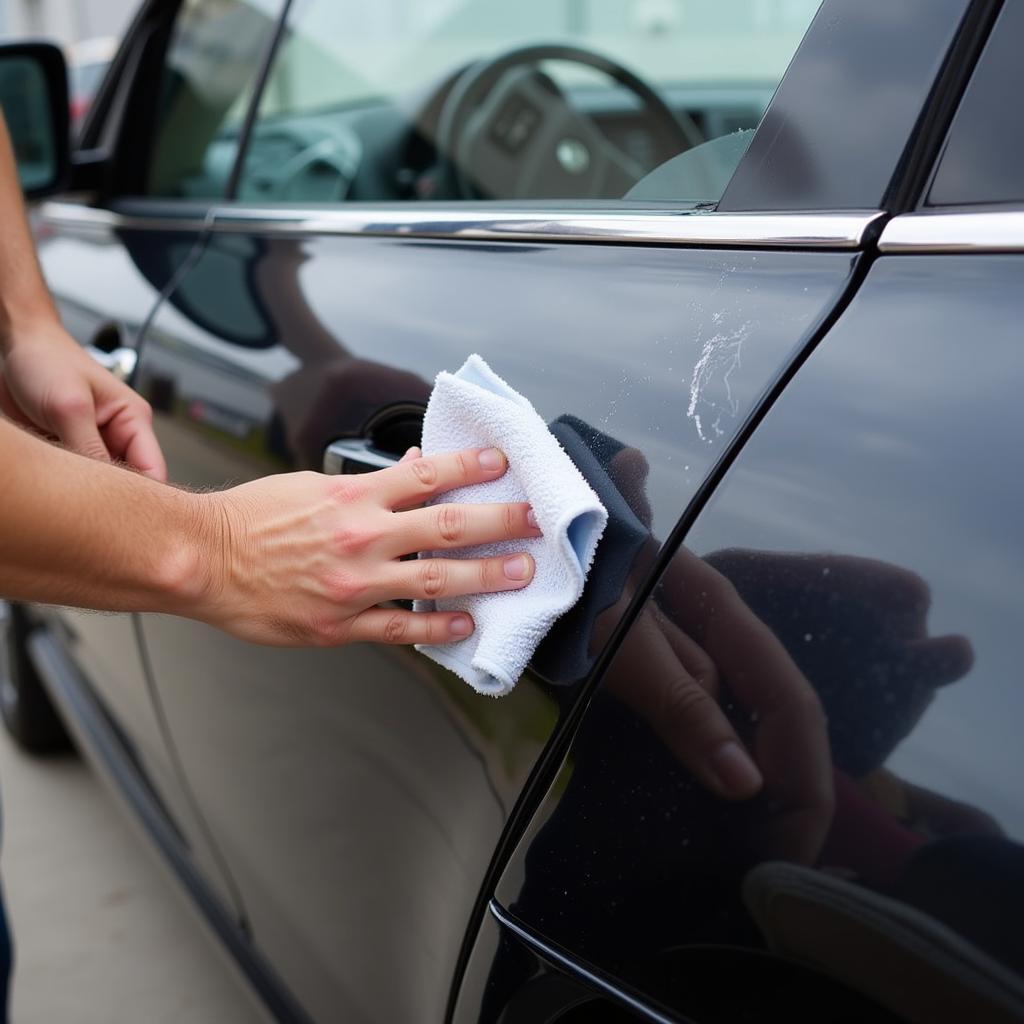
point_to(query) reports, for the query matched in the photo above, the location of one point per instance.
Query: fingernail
(736, 773)
(531, 518)
(517, 567)
(461, 625)
(491, 459)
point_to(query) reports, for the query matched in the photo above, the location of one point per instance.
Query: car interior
(555, 119)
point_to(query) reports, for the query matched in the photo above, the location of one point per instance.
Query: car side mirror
(34, 100)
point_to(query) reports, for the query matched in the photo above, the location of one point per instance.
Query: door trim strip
(590, 978)
(840, 230)
(971, 231)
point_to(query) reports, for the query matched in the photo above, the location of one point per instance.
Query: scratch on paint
(711, 395)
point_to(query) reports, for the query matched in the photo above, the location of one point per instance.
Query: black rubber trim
(106, 103)
(86, 718)
(589, 976)
(558, 745)
(917, 166)
(266, 62)
(129, 129)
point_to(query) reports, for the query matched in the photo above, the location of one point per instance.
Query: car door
(108, 260)
(863, 572)
(362, 796)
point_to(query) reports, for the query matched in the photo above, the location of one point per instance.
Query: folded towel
(475, 408)
(566, 655)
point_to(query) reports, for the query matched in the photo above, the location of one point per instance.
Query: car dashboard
(385, 151)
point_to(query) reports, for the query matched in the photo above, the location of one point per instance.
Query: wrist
(30, 328)
(202, 575)
(186, 574)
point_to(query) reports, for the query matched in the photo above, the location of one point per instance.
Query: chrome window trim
(961, 231)
(590, 978)
(78, 216)
(840, 230)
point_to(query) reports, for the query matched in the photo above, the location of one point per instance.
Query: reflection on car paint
(851, 598)
(325, 337)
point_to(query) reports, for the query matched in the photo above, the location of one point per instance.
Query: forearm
(79, 532)
(25, 303)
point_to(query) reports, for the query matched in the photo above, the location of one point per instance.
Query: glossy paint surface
(358, 794)
(863, 557)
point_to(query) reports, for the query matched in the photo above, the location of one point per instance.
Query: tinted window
(984, 158)
(208, 78)
(398, 101)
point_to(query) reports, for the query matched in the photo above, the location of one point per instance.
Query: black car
(768, 289)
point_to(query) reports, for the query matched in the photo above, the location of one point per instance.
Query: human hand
(858, 630)
(305, 559)
(50, 383)
(704, 637)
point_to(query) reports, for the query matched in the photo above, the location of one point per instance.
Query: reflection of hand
(705, 636)
(324, 400)
(675, 660)
(51, 384)
(304, 558)
(858, 629)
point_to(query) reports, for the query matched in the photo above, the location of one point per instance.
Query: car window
(983, 155)
(540, 99)
(208, 78)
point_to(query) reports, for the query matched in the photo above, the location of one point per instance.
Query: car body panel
(873, 524)
(345, 761)
(363, 801)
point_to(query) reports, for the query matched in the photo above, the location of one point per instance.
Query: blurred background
(87, 29)
(66, 21)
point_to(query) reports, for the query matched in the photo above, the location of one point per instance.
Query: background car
(763, 279)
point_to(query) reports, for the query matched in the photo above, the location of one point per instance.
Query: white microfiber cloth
(475, 408)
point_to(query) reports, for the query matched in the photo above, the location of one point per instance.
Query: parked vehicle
(760, 266)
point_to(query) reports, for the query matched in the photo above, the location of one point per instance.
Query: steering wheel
(507, 131)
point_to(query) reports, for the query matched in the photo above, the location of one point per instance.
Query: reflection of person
(812, 708)
(745, 721)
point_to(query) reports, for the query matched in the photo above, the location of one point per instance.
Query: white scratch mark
(720, 356)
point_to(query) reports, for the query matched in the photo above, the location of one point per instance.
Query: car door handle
(120, 362)
(356, 455)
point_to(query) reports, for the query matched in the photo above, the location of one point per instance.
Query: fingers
(129, 436)
(412, 483)
(434, 578)
(691, 655)
(688, 719)
(74, 419)
(143, 453)
(394, 626)
(936, 661)
(441, 527)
